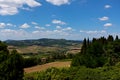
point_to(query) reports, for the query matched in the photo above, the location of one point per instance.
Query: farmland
(43, 45)
(44, 67)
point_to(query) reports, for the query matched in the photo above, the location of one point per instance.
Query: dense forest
(98, 52)
(99, 59)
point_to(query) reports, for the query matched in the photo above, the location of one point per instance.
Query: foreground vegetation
(76, 73)
(99, 59)
(11, 64)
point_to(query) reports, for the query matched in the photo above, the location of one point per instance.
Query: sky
(59, 19)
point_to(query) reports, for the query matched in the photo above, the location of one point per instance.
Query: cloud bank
(11, 7)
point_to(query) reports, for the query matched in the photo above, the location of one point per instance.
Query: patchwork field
(43, 45)
(42, 49)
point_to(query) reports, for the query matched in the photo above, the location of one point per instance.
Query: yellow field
(43, 67)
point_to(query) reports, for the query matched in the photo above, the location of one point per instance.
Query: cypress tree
(110, 38)
(84, 47)
(116, 37)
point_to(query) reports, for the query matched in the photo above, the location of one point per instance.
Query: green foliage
(117, 38)
(3, 51)
(51, 57)
(3, 47)
(110, 38)
(84, 47)
(98, 60)
(32, 61)
(11, 65)
(12, 68)
(49, 74)
(98, 52)
(76, 73)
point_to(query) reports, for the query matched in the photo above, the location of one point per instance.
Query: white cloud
(8, 31)
(62, 31)
(47, 25)
(8, 11)
(51, 34)
(58, 31)
(105, 18)
(37, 27)
(10, 7)
(9, 24)
(32, 3)
(55, 21)
(2, 25)
(56, 34)
(34, 23)
(108, 24)
(93, 32)
(58, 27)
(26, 8)
(68, 29)
(58, 2)
(34, 32)
(20, 33)
(25, 26)
(107, 6)
(41, 28)
(14, 34)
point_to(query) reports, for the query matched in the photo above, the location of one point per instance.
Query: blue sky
(68, 19)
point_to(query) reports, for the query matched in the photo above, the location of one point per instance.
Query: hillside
(43, 42)
(43, 45)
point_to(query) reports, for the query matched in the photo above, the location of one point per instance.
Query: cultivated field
(43, 67)
(33, 49)
(44, 49)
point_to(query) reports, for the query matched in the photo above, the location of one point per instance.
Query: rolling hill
(43, 42)
(43, 45)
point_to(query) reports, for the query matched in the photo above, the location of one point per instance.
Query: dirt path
(46, 66)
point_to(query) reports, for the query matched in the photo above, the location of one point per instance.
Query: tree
(11, 65)
(116, 38)
(84, 47)
(110, 38)
(98, 53)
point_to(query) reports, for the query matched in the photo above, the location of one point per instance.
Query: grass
(64, 60)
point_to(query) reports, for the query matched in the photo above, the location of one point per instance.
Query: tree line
(98, 52)
(51, 57)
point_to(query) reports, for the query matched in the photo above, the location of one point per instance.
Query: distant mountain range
(43, 42)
